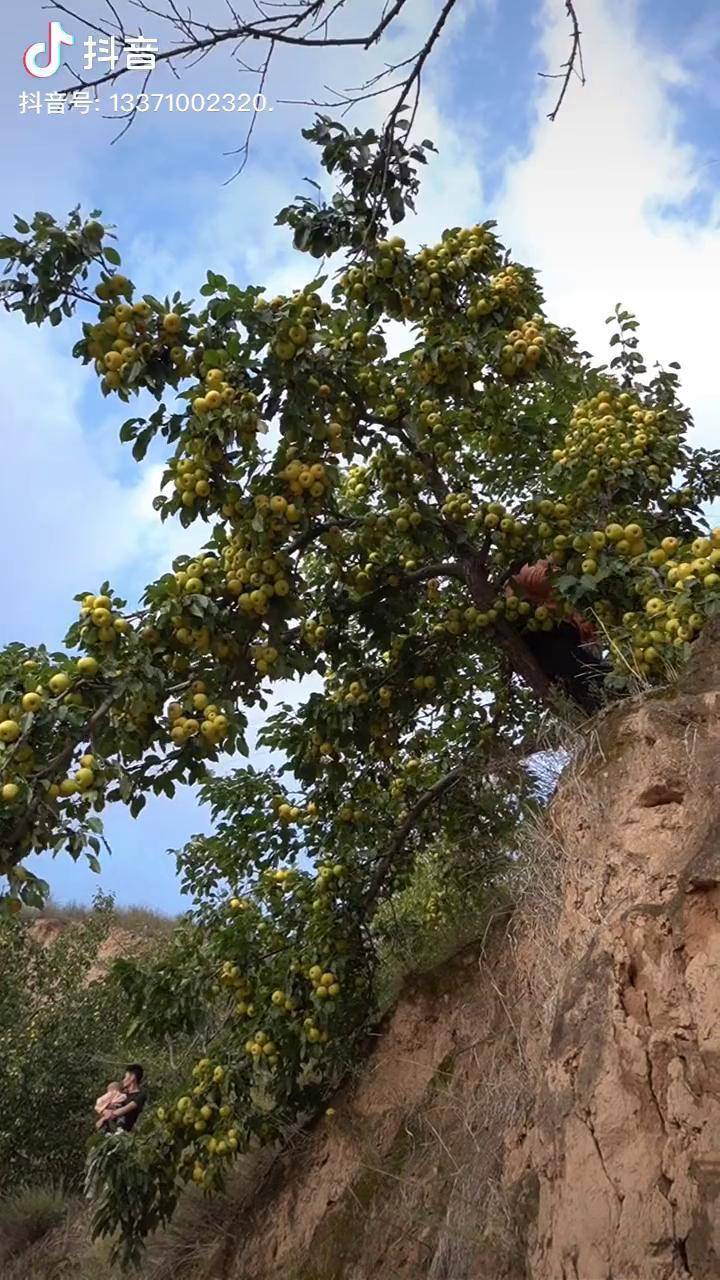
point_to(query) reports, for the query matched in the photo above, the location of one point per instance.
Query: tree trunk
(626, 1138)
(522, 661)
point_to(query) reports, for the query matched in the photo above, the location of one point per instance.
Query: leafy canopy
(372, 460)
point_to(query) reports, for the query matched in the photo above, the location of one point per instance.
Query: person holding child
(119, 1107)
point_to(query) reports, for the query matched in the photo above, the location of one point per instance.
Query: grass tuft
(28, 1216)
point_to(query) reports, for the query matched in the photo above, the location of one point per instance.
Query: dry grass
(27, 1216)
(45, 1235)
(453, 1197)
(204, 1229)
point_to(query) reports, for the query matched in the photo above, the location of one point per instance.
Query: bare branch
(309, 24)
(244, 150)
(574, 64)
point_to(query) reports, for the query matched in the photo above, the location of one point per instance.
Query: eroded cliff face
(626, 1145)
(547, 1107)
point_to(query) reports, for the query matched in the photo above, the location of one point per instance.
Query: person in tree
(569, 653)
(124, 1111)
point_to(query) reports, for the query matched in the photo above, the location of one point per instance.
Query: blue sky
(619, 200)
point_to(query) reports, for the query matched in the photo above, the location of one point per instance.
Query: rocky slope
(548, 1105)
(626, 1144)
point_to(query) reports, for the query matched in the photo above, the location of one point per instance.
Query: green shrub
(59, 1036)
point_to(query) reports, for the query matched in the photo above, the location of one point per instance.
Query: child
(113, 1097)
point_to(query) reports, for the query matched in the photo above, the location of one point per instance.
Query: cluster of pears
(197, 716)
(490, 287)
(197, 577)
(264, 657)
(355, 485)
(555, 522)
(292, 813)
(237, 406)
(188, 635)
(17, 759)
(204, 1116)
(230, 976)
(462, 255)
(611, 430)
(129, 335)
(85, 778)
(353, 694)
(253, 577)
(313, 1033)
(435, 912)
(682, 582)
(100, 624)
(215, 395)
(491, 517)
(524, 346)
(382, 391)
(306, 483)
(17, 717)
(292, 321)
(284, 879)
(331, 875)
(690, 566)
(315, 632)
(202, 576)
(324, 984)
(424, 684)
(509, 284)
(194, 475)
(200, 471)
(319, 745)
(385, 278)
(413, 287)
(262, 1049)
(449, 366)
(413, 775)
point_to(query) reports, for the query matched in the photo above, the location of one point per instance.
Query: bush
(59, 1034)
(27, 1216)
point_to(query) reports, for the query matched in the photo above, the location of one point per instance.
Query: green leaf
(127, 430)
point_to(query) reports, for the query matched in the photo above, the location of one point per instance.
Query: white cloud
(71, 521)
(596, 202)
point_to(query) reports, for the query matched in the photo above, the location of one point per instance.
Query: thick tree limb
(484, 594)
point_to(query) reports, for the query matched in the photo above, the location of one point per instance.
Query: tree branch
(288, 32)
(484, 593)
(397, 843)
(574, 63)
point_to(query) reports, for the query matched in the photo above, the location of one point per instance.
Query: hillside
(543, 1105)
(132, 931)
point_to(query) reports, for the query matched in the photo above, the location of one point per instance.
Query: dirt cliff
(547, 1105)
(626, 1145)
(120, 942)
